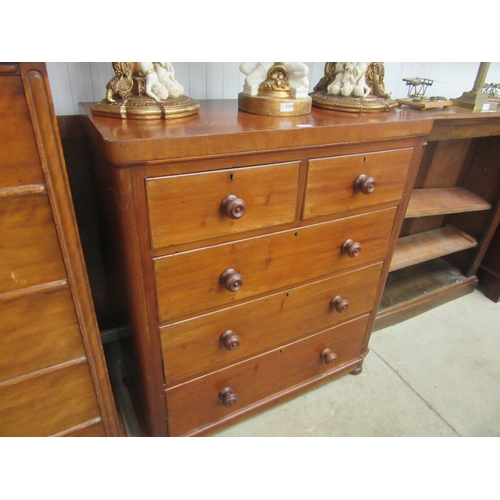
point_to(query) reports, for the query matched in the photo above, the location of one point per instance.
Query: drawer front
(197, 402)
(29, 248)
(38, 330)
(190, 282)
(19, 161)
(48, 403)
(263, 324)
(193, 207)
(332, 184)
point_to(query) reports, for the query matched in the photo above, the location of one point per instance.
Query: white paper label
(486, 107)
(286, 106)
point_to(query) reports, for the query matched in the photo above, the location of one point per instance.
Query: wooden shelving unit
(452, 214)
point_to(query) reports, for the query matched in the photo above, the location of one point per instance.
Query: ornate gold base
(370, 104)
(274, 106)
(475, 100)
(145, 108)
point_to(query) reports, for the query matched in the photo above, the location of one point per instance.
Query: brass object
(476, 99)
(274, 97)
(376, 101)
(126, 97)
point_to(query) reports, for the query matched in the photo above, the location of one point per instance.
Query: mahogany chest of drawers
(250, 252)
(53, 376)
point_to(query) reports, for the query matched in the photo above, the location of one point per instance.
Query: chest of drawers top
(220, 129)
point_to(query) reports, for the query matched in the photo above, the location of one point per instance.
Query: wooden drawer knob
(233, 207)
(329, 356)
(231, 280)
(230, 340)
(365, 184)
(339, 304)
(228, 397)
(351, 248)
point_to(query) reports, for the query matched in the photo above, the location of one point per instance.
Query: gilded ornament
(145, 91)
(353, 87)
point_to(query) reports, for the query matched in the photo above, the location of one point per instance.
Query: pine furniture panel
(53, 375)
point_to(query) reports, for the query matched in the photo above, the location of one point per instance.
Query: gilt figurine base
(146, 108)
(369, 104)
(274, 105)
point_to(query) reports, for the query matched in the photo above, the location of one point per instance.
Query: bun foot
(358, 370)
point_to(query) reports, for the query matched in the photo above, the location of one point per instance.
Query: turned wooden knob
(228, 397)
(339, 304)
(329, 356)
(365, 184)
(233, 207)
(351, 248)
(231, 280)
(230, 340)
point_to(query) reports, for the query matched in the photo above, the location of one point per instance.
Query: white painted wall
(74, 82)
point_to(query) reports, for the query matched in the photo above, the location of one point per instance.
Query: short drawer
(39, 328)
(203, 279)
(212, 341)
(342, 183)
(199, 401)
(29, 248)
(193, 207)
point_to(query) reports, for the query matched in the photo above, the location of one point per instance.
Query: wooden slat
(48, 402)
(429, 245)
(93, 428)
(427, 202)
(18, 152)
(39, 329)
(29, 250)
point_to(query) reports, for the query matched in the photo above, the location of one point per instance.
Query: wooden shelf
(428, 245)
(439, 201)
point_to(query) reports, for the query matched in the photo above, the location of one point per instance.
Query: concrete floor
(437, 374)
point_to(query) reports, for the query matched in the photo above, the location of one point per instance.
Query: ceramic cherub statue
(160, 81)
(257, 73)
(349, 79)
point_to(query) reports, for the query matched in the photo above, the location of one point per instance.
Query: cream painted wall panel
(61, 88)
(198, 80)
(215, 77)
(101, 73)
(80, 79)
(231, 80)
(182, 75)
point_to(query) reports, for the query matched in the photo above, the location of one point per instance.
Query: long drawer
(202, 400)
(341, 183)
(193, 207)
(195, 281)
(215, 340)
(29, 249)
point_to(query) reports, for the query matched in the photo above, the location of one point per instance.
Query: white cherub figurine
(165, 72)
(349, 79)
(154, 88)
(257, 73)
(160, 81)
(361, 89)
